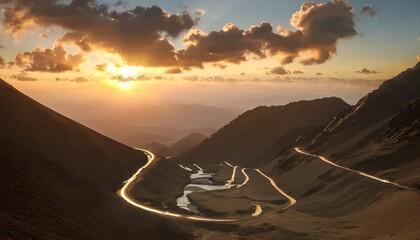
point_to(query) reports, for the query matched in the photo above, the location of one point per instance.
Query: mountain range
(343, 171)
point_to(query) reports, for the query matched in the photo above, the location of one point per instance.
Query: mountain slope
(141, 139)
(245, 139)
(186, 143)
(93, 157)
(58, 178)
(183, 145)
(380, 132)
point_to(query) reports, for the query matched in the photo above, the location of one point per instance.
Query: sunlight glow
(125, 72)
(125, 85)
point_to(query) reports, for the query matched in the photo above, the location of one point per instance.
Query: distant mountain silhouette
(59, 179)
(246, 139)
(182, 146)
(141, 139)
(158, 148)
(186, 143)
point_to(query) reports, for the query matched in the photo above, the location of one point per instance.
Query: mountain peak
(247, 137)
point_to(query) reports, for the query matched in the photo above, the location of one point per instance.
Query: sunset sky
(263, 52)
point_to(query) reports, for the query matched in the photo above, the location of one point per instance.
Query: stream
(199, 182)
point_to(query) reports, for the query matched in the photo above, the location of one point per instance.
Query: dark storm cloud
(279, 71)
(366, 71)
(23, 76)
(140, 36)
(320, 26)
(368, 10)
(137, 35)
(48, 60)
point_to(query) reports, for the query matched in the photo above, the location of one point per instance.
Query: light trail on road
(297, 149)
(246, 178)
(199, 168)
(232, 178)
(292, 201)
(258, 210)
(185, 168)
(124, 194)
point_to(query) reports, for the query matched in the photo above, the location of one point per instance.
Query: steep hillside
(182, 146)
(59, 179)
(158, 148)
(186, 143)
(141, 139)
(245, 139)
(379, 133)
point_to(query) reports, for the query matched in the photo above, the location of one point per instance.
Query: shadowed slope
(58, 178)
(246, 138)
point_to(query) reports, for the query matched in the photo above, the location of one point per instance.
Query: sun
(123, 76)
(125, 85)
(127, 72)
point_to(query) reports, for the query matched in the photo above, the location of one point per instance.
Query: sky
(232, 54)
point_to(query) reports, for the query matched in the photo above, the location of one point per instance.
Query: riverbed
(199, 182)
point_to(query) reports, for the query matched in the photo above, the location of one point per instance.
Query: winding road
(292, 201)
(246, 178)
(232, 178)
(299, 150)
(151, 157)
(124, 194)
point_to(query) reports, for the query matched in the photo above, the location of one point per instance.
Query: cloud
(298, 72)
(23, 76)
(139, 36)
(174, 70)
(418, 57)
(220, 65)
(368, 10)
(279, 71)
(366, 71)
(280, 80)
(48, 60)
(75, 80)
(120, 3)
(218, 79)
(357, 82)
(43, 36)
(319, 27)
(191, 78)
(242, 74)
(2, 62)
(318, 74)
(101, 67)
(79, 80)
